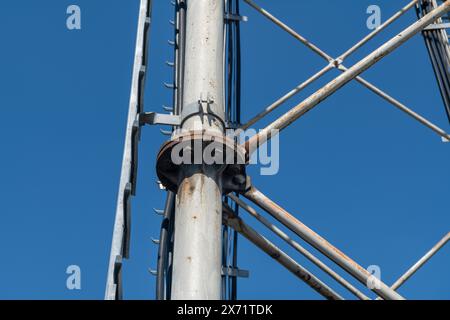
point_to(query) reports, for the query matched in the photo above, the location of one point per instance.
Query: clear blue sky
(356, 170)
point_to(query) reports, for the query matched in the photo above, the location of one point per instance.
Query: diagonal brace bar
(333, 63)
(288, 30)
(319, 243)
(299, 248)
(287, 96)
(419, 264)
(338, 63)
(281, 257)
(344, 78)
(383, 26)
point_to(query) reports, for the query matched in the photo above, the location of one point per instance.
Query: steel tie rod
(319, 243)
(333, 63)
(286, 97)
(419, 264)
(274, 252)
(337, 63)
(378, 30)
(313, 47)
(288, 29)
(326, 91)
(299, 248)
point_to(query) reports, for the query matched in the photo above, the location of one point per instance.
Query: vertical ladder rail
(127, 186)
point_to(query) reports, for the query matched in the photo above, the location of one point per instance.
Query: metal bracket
(231, 125)
(205, 103)
(235, 272)
(437, 26)
(160, 186)
(127, 220)
(153, 118)
(116, 287)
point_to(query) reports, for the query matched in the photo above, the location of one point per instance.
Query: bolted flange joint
(205, 148)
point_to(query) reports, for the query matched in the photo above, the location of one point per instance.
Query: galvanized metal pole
(198, 210)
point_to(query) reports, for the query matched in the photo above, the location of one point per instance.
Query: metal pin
(158, 211)
(169, 85)
(168, 109)
(166, 132)
(160, 185)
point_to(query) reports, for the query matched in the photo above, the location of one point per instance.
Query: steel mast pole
(198, 210)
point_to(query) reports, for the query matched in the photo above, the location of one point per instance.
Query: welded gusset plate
(203, 148)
